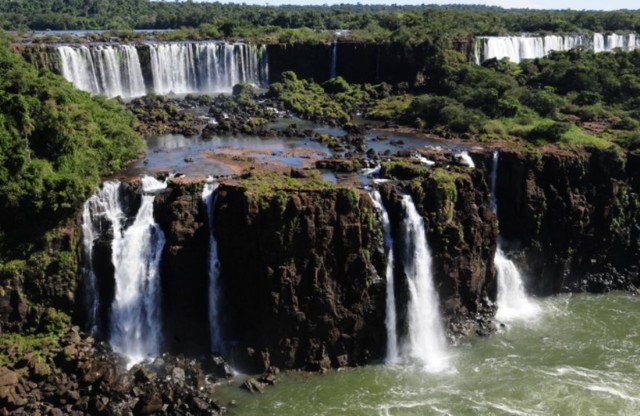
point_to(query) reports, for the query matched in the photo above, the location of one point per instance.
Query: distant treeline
(300, 23)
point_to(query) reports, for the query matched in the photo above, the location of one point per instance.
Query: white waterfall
(136, 255)
(390, 320)
(513, 302)
(426, 339)
(209, 197)
(199, 67)
(103, 69)
(102, 210)
(334, 60)
(517, 48)
(465, 159)
(178, 67)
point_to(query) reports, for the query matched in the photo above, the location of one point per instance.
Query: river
(581, 356)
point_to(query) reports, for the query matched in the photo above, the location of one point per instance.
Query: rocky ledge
(84, 376)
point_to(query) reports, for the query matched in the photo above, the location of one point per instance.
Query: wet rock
(216, 365)
(178, 375)
(148, 404)
(252, 385)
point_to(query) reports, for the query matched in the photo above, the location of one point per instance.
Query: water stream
(580, 358)
(390, 319)
(209, 198)
(513, 302)
(136, 254)
(426, 340)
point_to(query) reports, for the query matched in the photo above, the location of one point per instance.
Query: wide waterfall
(180, 68)
(517, 48)
(390, 320)
(103, 69)
(426, 341)
(205, 66)
(209, 197)
(513, 302)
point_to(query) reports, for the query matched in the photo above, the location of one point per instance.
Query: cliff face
(462, 235)
(302, 276)
(573, 216)
(300, 284)
(182, 216)
(355, 62)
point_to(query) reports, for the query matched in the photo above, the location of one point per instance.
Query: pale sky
(532, 4)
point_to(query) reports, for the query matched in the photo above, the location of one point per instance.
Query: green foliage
(334, 101)
(263, 186)
(55, 143)
(244, 93)
(403, 169)
(390, 108)
(550, 132)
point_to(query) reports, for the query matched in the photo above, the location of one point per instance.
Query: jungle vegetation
(303, 23)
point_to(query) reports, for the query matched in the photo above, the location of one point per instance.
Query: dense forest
(55, 144)
(401, 23)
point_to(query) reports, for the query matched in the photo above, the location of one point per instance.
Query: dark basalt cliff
(574, 217)
(355, 62)
(182, 216)
(302, 268)
(300, 286)
(462, 235)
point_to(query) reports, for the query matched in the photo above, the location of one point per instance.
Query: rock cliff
(573, 216)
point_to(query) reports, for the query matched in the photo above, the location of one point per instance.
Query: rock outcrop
(462, 234)
(300, 278)
(82, 376)
(573, 216)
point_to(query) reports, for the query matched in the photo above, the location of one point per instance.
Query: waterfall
(517, 48)
(334, 60)
(513, 303)
(178, 67)
(101, 211)
(199, 67)
(136, 255)
(103, 69)
(209, 197)
(426, 339)
(465, 159)
(390, 320)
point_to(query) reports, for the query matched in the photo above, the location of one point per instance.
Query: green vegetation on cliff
(55, 143)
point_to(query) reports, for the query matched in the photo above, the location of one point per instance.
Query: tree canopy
(395, 22)
(55, 143)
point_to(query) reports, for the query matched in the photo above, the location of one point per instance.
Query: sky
(531, 4)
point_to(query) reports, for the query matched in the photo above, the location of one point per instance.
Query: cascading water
(517, 48)
(101, 211)
(513, 303)
(390, 320)
(209, 197)
(205, 66)
(426, 338)
(465, 159)
(103, 69)
(186, 67)
(136, 254)
(334, 60)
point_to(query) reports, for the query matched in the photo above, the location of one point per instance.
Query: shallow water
(580, 357)
(169, 152)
